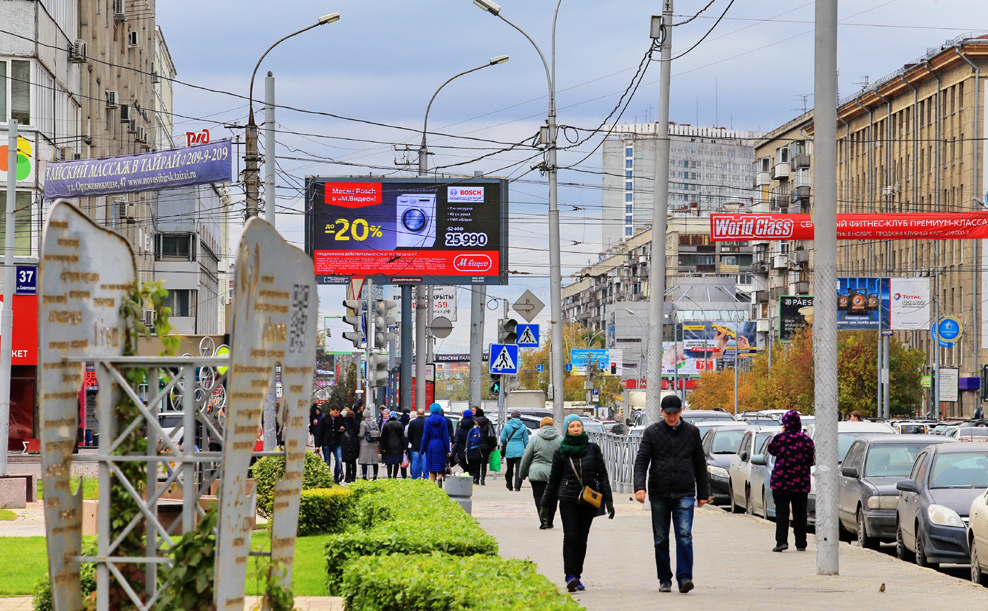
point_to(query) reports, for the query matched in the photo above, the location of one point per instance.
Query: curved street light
(555, 268)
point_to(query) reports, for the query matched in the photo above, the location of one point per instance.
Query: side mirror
(759, 459)
(744, 457)
(851, 472)
(907, 485)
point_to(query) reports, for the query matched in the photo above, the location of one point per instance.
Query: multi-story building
(709, 168)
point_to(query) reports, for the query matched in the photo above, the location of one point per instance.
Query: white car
(738, 473)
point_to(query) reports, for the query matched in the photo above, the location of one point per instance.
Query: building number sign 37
(26, 280)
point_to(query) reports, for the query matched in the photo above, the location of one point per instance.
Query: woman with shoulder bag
(578, 480)
(370, 435)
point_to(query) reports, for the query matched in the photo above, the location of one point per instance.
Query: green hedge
(268, 470)
(324, 510)
(439, 582)
(403, 517)
(42, 600)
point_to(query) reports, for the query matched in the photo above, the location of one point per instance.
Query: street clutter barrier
(438, 582)
(460, 489)
(619, 456)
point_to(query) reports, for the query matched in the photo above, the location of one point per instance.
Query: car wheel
(901, 551)
(921, 559)
(748, 507)
(864, 541)
(977, 575)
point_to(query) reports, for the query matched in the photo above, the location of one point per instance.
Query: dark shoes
(545, 526)
(801, 549)
(781, 547)
(665, 586)
(572, 583)
(685, 586)
(507, 485)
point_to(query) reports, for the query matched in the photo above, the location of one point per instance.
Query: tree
(344, 394)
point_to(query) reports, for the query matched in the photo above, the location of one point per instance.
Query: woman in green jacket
(536, 464)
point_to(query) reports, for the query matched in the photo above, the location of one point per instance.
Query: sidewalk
(734, 565)
(302, 603)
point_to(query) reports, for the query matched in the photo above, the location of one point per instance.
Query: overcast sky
(384, 59)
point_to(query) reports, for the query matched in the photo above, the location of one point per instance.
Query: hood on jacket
(791, 422)
(466, 423)
(436, 420)
(548, 432)
(515, 422)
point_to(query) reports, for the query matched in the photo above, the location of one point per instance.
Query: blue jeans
(681, 512)
(329, 452)
(416, 464)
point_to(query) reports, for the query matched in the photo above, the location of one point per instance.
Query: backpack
(490, 437)
(474, 438)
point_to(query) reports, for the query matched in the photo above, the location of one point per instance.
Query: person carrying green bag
(495, 464)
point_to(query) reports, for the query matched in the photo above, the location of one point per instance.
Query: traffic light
(383, 320)
(613, 369)
(506, 331)
(377, 369)
(355, 318)
(495, 383)
(511, 383)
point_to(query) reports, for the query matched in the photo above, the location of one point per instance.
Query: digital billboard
(706, 341)
(795, 312)
(862, 304)
(408, 230)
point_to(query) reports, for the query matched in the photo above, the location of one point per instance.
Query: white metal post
(478, 297)
(7, 317)
(369, 402)
(420, 341)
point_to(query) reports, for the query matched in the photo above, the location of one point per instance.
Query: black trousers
(351, 470)
(472, 467)
(363, 469)
(485, 461)
(538, 490)
(783, 501)
(577, 519)
(513, 473)
(392, 471)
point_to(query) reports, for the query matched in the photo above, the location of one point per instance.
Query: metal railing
(619, 458)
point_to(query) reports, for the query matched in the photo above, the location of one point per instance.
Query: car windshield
(960, 470)
(762, 422)
(912, 429)
(887, 460)
(593, 427)
(844, 441)
(807, 420)
(760, 439)
(973, 432)
(726, 442)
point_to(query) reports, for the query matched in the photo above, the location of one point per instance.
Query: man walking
(329, 436)
(671, 456)
(413, 432)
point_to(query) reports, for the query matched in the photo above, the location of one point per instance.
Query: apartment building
(709, 169)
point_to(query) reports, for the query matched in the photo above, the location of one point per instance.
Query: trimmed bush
(42, 600)
(268, 470)
(440, 582)
(324, 510)
(403, 517)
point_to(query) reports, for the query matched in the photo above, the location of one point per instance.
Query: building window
(181, 301)
(175, 246)
(628, 219)
(628, 231)
(629, 185)
(15, 91)
(629, 174)
(628, 208)
(629, 151)
(629, 163)
(22, 222)
(628, 197)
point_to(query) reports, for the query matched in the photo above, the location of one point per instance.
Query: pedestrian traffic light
(495, 383)
(355, 318)
(382, 321)
(613, 369)
(377, 369)
(511, 383)
(506, 331)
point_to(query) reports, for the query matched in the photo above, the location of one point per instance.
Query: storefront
(24, 417)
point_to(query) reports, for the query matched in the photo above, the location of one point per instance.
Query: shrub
(324, 510)
(404, 517)
(439, 582)
(268, 470)
(42, 600)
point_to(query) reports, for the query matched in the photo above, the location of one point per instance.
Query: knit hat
(435, 408)
(571, 418)
(393, 416)
(515, 414)
(467, 413)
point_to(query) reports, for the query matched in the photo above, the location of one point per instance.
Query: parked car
(760, 421)
(977, 538)
(867, 497)
(932, 510)
(911, 428)
(752, 443)
(591, 425)
(968, 433)
(720, 444)
(706, 425)
(760, 482)
(700, 415)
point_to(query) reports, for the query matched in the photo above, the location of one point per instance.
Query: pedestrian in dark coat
(435, 443)
(314, 415)
(351, 446)
(393, 444)
(467, 453)
(671, 456)
(488, 443)
(576, 463)
(413, 433)
(794, 455)
(329, 436)
(370, 436)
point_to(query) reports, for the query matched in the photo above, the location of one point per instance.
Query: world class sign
(935, 226)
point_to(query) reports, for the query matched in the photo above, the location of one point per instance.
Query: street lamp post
(644, 329)
(555, 269)
(421, 311)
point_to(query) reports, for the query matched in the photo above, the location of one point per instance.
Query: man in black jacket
(329, 436)
(671, 455)
(413, 433)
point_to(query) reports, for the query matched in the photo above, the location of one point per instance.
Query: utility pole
(405, 372)
(7, 317)
(661, 32)
(420, 341)
(270, 409)
(371, 321)
(478, 295)
(825, 310)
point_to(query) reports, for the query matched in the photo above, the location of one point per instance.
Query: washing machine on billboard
(416, 227)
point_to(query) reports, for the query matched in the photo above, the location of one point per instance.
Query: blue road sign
(540, 368)
(504, 359)
(596, 395)
(947, 331)
(569, 366)
(26, 280)
(528, 336)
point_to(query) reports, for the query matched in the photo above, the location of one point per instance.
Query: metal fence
(619, 457)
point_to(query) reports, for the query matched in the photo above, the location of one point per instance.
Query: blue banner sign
(194, 165)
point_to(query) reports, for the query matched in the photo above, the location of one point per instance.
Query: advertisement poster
(675, 357)
(909, 303)
(408, 231)
(795, 312)
(902, 226)
(862, 304)
(724, 341)
(602, 359)
(949, 378)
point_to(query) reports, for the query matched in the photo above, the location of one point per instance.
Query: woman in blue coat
(514, 438)
(435, 443)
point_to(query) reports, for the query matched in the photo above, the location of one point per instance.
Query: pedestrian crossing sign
(528, 336)
(504, 359)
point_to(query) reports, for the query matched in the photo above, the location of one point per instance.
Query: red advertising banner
(903, 226)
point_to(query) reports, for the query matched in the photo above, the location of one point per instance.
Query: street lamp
(555, 271)
(251, 155)
(644, 329)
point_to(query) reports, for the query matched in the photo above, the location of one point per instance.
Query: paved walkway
(302, 603)
(734, 568)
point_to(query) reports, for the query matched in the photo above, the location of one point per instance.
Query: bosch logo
(465, 194)
(472, 263)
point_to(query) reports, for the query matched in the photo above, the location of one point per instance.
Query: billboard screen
(704, 341)
(862, 304)
(909, 303)
(795, 311)
(408, 230)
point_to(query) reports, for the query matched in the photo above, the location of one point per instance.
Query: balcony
(803, 287)
(780, 171)
(762, 179)
(762, 296)
(800, 161)
(779, 291)
(802, 256)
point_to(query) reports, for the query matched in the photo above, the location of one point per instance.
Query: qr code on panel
(300, 308)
